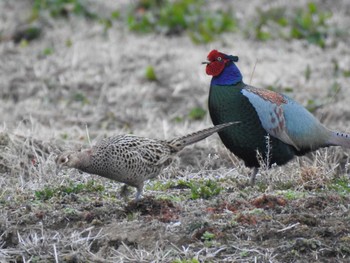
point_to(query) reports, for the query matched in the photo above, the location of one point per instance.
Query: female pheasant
(292, 129)
(131, 159)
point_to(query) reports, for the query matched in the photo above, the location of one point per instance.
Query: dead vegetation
(95, 86)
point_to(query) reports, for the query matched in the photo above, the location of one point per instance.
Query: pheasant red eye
(219, 59)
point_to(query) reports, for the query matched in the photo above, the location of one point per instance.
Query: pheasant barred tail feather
(340, 139)
(179, 143)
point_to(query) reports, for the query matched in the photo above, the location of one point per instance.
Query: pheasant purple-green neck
(263, 113)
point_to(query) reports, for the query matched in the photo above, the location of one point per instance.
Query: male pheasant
(292, 129)
(131, 159)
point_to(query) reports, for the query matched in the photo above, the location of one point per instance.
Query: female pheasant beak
(61, 161)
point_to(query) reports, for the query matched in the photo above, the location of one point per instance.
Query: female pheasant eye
(219, 59)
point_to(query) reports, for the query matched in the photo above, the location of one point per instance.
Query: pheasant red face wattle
(216, 63)
(215, 68)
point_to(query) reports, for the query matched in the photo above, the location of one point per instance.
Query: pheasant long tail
(179, 143)
(340, 139)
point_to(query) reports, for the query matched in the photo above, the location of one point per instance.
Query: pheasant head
(217, 61)
(223, 68)
(71, 159)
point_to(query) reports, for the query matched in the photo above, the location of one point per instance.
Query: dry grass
(96, 87)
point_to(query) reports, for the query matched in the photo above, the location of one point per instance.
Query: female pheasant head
(222, 68)
(67, 159)
(71, 159)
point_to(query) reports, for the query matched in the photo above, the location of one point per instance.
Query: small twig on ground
(55, 252)
(87, 134)
(288, 227)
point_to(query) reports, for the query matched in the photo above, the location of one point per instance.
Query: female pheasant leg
(139, 189)
(124, 192)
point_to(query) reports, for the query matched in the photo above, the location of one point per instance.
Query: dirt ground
(95, 86)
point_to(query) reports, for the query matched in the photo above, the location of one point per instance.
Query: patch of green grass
(70, 211)
(161, 185)
(68, 42)
(150, 73)
(28, 33)
(48, 51)
(341, 186)
(45, 194)
(197, 113)
(132, 216)
(265, 20)
(204, 189)
(256, 211)
(175, 17)
(24, 43)
(80, 97)
(346, 73)
(178, 119)
(313, 104)
(49, 192)
(64, 136)
(310, 24)
(260, 185)
(65, 8)
(304, 23)
(61, 8)
(244, 253)
(208, 236)
(115, 14)
(199, 188)
(292, 195)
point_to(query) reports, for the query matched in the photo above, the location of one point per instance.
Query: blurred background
(136, 65)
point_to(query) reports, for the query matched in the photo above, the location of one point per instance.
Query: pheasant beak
(205, 62)
(59, 165)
